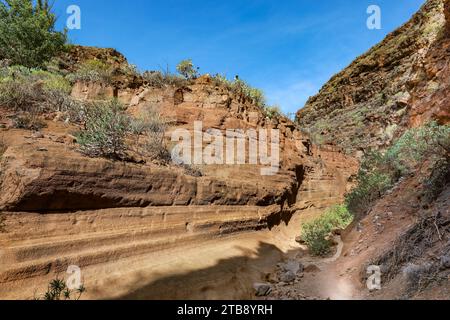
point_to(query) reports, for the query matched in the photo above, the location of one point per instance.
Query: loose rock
(262, 289)
(288, 277)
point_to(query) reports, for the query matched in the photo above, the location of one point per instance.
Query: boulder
(288, 277)
(292, 266)
(262, 289)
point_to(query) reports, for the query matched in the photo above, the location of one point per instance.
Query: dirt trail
(323, 278)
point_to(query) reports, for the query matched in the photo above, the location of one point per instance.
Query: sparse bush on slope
(27, 32)
(380, 171)
(32, 92)
(105, 129)
(150, 128)
(108, 132)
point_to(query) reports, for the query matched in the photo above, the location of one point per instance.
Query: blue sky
(288, 48)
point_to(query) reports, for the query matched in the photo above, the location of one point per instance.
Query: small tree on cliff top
(27, 32)
(187, 69)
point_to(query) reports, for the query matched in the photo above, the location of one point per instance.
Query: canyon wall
(120, 221)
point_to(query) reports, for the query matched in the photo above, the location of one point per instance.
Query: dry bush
(417, 275)
(22, 95)
(411, 247)
(36, 91)
(105, 129)
(437, 180)
(28, 121)
(159, 79)
(150, 129)
(273, 112)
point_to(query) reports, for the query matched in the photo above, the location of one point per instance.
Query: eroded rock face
(400, 82)
(51, 181)
(62, 208)
(63, 180)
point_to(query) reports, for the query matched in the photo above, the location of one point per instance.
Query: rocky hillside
(399, 83)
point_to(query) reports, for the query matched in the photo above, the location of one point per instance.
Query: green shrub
(431, 142)
(28, 35)
(187, 69)
(380, 171)
(94, 71)
(56, 90)
(58, 65)
(111, 133)
(316, 233)
(58, 290)
(105, 129)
